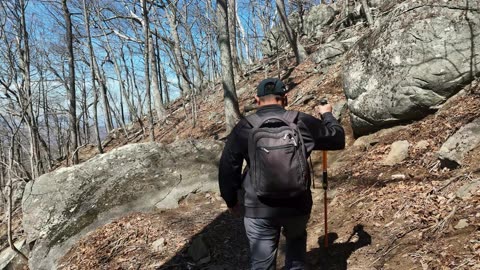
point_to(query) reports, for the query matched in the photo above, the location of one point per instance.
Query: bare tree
(72, 109)
(146, 33)
(232, 112)
(171, 13)
(232, 33)
(86, 16)
(292, 36)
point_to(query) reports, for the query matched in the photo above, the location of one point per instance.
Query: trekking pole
(325, 186)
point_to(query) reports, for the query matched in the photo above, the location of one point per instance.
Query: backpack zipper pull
(265, 149)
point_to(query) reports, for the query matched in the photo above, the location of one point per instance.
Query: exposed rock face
(318, 17)
(421, 55)
(328, 53)
(314, 22)
(64, 205)
(459, 144)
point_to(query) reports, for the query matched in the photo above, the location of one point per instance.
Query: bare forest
(73, 71)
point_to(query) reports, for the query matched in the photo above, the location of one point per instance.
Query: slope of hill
(410, 213)
(415, 215)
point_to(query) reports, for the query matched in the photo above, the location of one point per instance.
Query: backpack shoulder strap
(254, 120)
(291, 116)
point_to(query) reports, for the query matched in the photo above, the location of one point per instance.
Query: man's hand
(321, 109)
(236, 211)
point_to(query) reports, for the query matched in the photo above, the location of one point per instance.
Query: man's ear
(257, 99)
(285, 100)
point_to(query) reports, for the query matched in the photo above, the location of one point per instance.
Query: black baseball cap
(271, 86)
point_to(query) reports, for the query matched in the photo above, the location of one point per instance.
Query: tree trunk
(232, 112)
(232, 34)
(134, 76)
(26, 93)
(10, 199)
(146, 34)
(244, 38)
(292, 37)
(173, 22)
(163, 75)
(196, 59)
(159, 108)
(85, 126)
(86, 17)
(46, 114)
(72, 110)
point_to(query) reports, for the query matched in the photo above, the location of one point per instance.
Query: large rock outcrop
(421, 54)
(317, 19)
(314, 25)
(62, 206)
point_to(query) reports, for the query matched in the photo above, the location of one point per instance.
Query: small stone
(159, 245)
(398, 152)
(462, 223)
(398, 177)
(422, 145)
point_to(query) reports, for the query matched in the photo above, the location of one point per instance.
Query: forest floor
(405, 216)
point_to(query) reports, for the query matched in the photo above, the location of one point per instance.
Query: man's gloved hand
(321, 109)
(236, 211)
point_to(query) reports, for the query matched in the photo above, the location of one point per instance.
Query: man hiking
(275, 144)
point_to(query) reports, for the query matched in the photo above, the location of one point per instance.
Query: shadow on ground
(227, 247)
(336, 255)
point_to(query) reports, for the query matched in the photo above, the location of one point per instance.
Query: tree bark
(292, 37)
(26, 96)
(72, 111)
(146, 34)
(232, 34)
(232, 112)
(159, 108)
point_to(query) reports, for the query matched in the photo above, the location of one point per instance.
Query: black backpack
(278, 161)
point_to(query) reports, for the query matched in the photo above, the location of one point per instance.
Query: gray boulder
(328, 53)
(465, 192)
(459, 144)
(317, 18)
(419, 57)
(9, 259)
(372, 139)
(62, 206)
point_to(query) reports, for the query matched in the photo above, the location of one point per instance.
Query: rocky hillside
(404, 194)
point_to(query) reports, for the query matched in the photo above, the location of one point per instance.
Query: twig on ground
(440, 225)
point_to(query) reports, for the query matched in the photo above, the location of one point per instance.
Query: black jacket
(317, 135)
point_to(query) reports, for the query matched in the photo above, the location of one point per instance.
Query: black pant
(263, 235)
